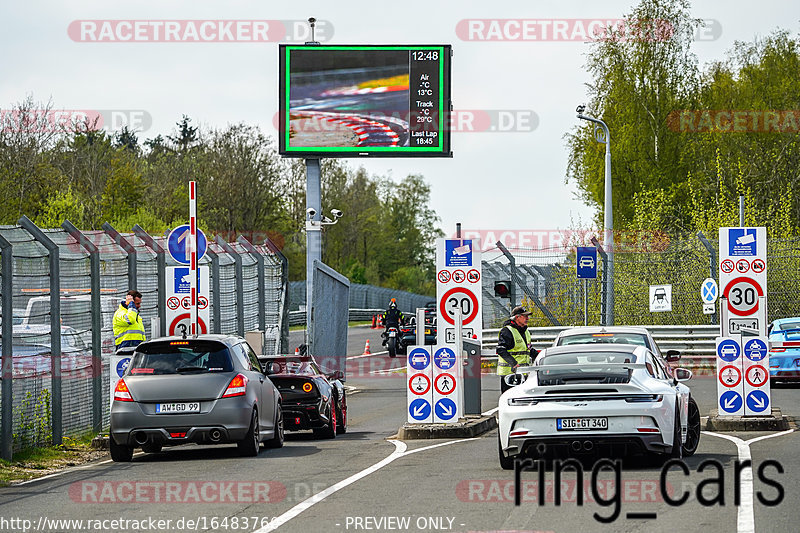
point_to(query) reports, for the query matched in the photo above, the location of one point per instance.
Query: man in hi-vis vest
(514, 346)
(128, 326)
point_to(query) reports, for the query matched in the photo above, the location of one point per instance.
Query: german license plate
(570, 424)
(177, 407)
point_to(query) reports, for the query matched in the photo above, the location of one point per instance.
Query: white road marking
(745, 522)
(399, 451)
(367, 355)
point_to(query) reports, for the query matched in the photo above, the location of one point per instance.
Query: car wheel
(151, 447)
(341, 417)
(677, 447)
(693, 429)
(248, 446)
(120, 453)
(278, 439)
(329, 431)
(392, 347)
(507, 463)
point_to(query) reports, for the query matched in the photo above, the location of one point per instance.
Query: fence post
(712, 255)
(55, 322)
(129, 249)
(161, 265)
(283, 309)
(215, 296)
(262, 307)
(7, 269)
(237, 261)
(97, 325)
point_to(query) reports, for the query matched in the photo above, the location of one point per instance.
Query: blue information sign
(178, 244)
(757, 401)
(586, 262)
(445, 358)
(419, 409)
(122, 366)
(419, 359)
(730, 401)
(755, 349)
(742, 241)
(457, 253)
(728, 350)
(446, 409)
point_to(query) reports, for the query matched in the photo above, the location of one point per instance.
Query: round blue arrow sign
(122, 366)
(445, 409)
(419, 359)
(728, 350)
(419, 409)
(757, 401)
(444, 358)
(178, 244)
(755, 349)
(730, 401)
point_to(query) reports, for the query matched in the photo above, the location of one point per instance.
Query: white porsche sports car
(605, 398)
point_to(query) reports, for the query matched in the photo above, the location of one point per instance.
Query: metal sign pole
(193, 256)
(585, 302)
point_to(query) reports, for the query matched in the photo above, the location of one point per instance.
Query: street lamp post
(602, 136)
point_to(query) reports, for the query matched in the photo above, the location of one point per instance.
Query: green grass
(31, 463)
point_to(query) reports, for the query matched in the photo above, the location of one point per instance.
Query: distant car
(579, 400)
(206, 389)
(784, 361)
(635, 335)
(312, 399)
(586, 262)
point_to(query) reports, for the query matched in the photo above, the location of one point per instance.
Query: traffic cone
(366, 349)
(374, 322)
(297, 351)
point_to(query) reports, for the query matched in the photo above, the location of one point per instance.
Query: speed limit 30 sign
(458, 288)
(742, 295)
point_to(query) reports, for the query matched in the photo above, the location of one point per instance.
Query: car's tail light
(518, 433)
(307, 386)
(237, 386)
(121, 392)
(522, 401)
(644, 398)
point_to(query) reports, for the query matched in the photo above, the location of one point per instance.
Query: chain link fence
(56, 385)
(367, 297)
(545, 281)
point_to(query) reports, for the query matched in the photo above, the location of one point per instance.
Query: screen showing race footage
(354, 101)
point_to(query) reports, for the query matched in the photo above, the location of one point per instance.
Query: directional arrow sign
(420, 409)
(757, 401)
(179, 245)
(445, 409)
(731, 402)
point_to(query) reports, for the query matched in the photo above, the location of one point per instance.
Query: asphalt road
(366, 481)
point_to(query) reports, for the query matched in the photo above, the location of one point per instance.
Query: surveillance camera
(581, 108)
(311, 212)
(336, 213)
(312, 20)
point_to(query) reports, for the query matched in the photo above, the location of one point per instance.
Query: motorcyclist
(393, 317)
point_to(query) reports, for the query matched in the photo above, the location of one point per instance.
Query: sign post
(743, 279)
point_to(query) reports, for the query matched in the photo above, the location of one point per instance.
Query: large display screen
(355, 101)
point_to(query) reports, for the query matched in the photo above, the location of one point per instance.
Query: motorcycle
(394, 341)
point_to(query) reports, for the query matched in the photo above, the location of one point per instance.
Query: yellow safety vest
(520, 352)
(128, 326)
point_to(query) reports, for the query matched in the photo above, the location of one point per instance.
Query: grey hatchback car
(206, 389)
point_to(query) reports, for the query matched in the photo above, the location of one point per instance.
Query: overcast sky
(495, 181)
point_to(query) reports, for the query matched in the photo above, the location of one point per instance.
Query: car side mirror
(513, 379)
(271, 368)
(673, 356)
(683, 374)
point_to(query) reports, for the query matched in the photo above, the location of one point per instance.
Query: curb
(775, 422)
(100, 442)
(470, 426)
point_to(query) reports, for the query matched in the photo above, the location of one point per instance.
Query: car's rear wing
(583, 366)
(782, 346)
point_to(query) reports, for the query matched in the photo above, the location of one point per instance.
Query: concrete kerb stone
(470, 426)
(777, 421)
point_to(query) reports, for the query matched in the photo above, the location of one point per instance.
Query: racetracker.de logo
(580, 30)
(197, 31)
(734, 121)
(69, 120)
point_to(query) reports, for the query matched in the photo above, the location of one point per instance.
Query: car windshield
(180, 357)
(636, 339)
(591, 374)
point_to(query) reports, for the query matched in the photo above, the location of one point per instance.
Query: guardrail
(696, 343)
